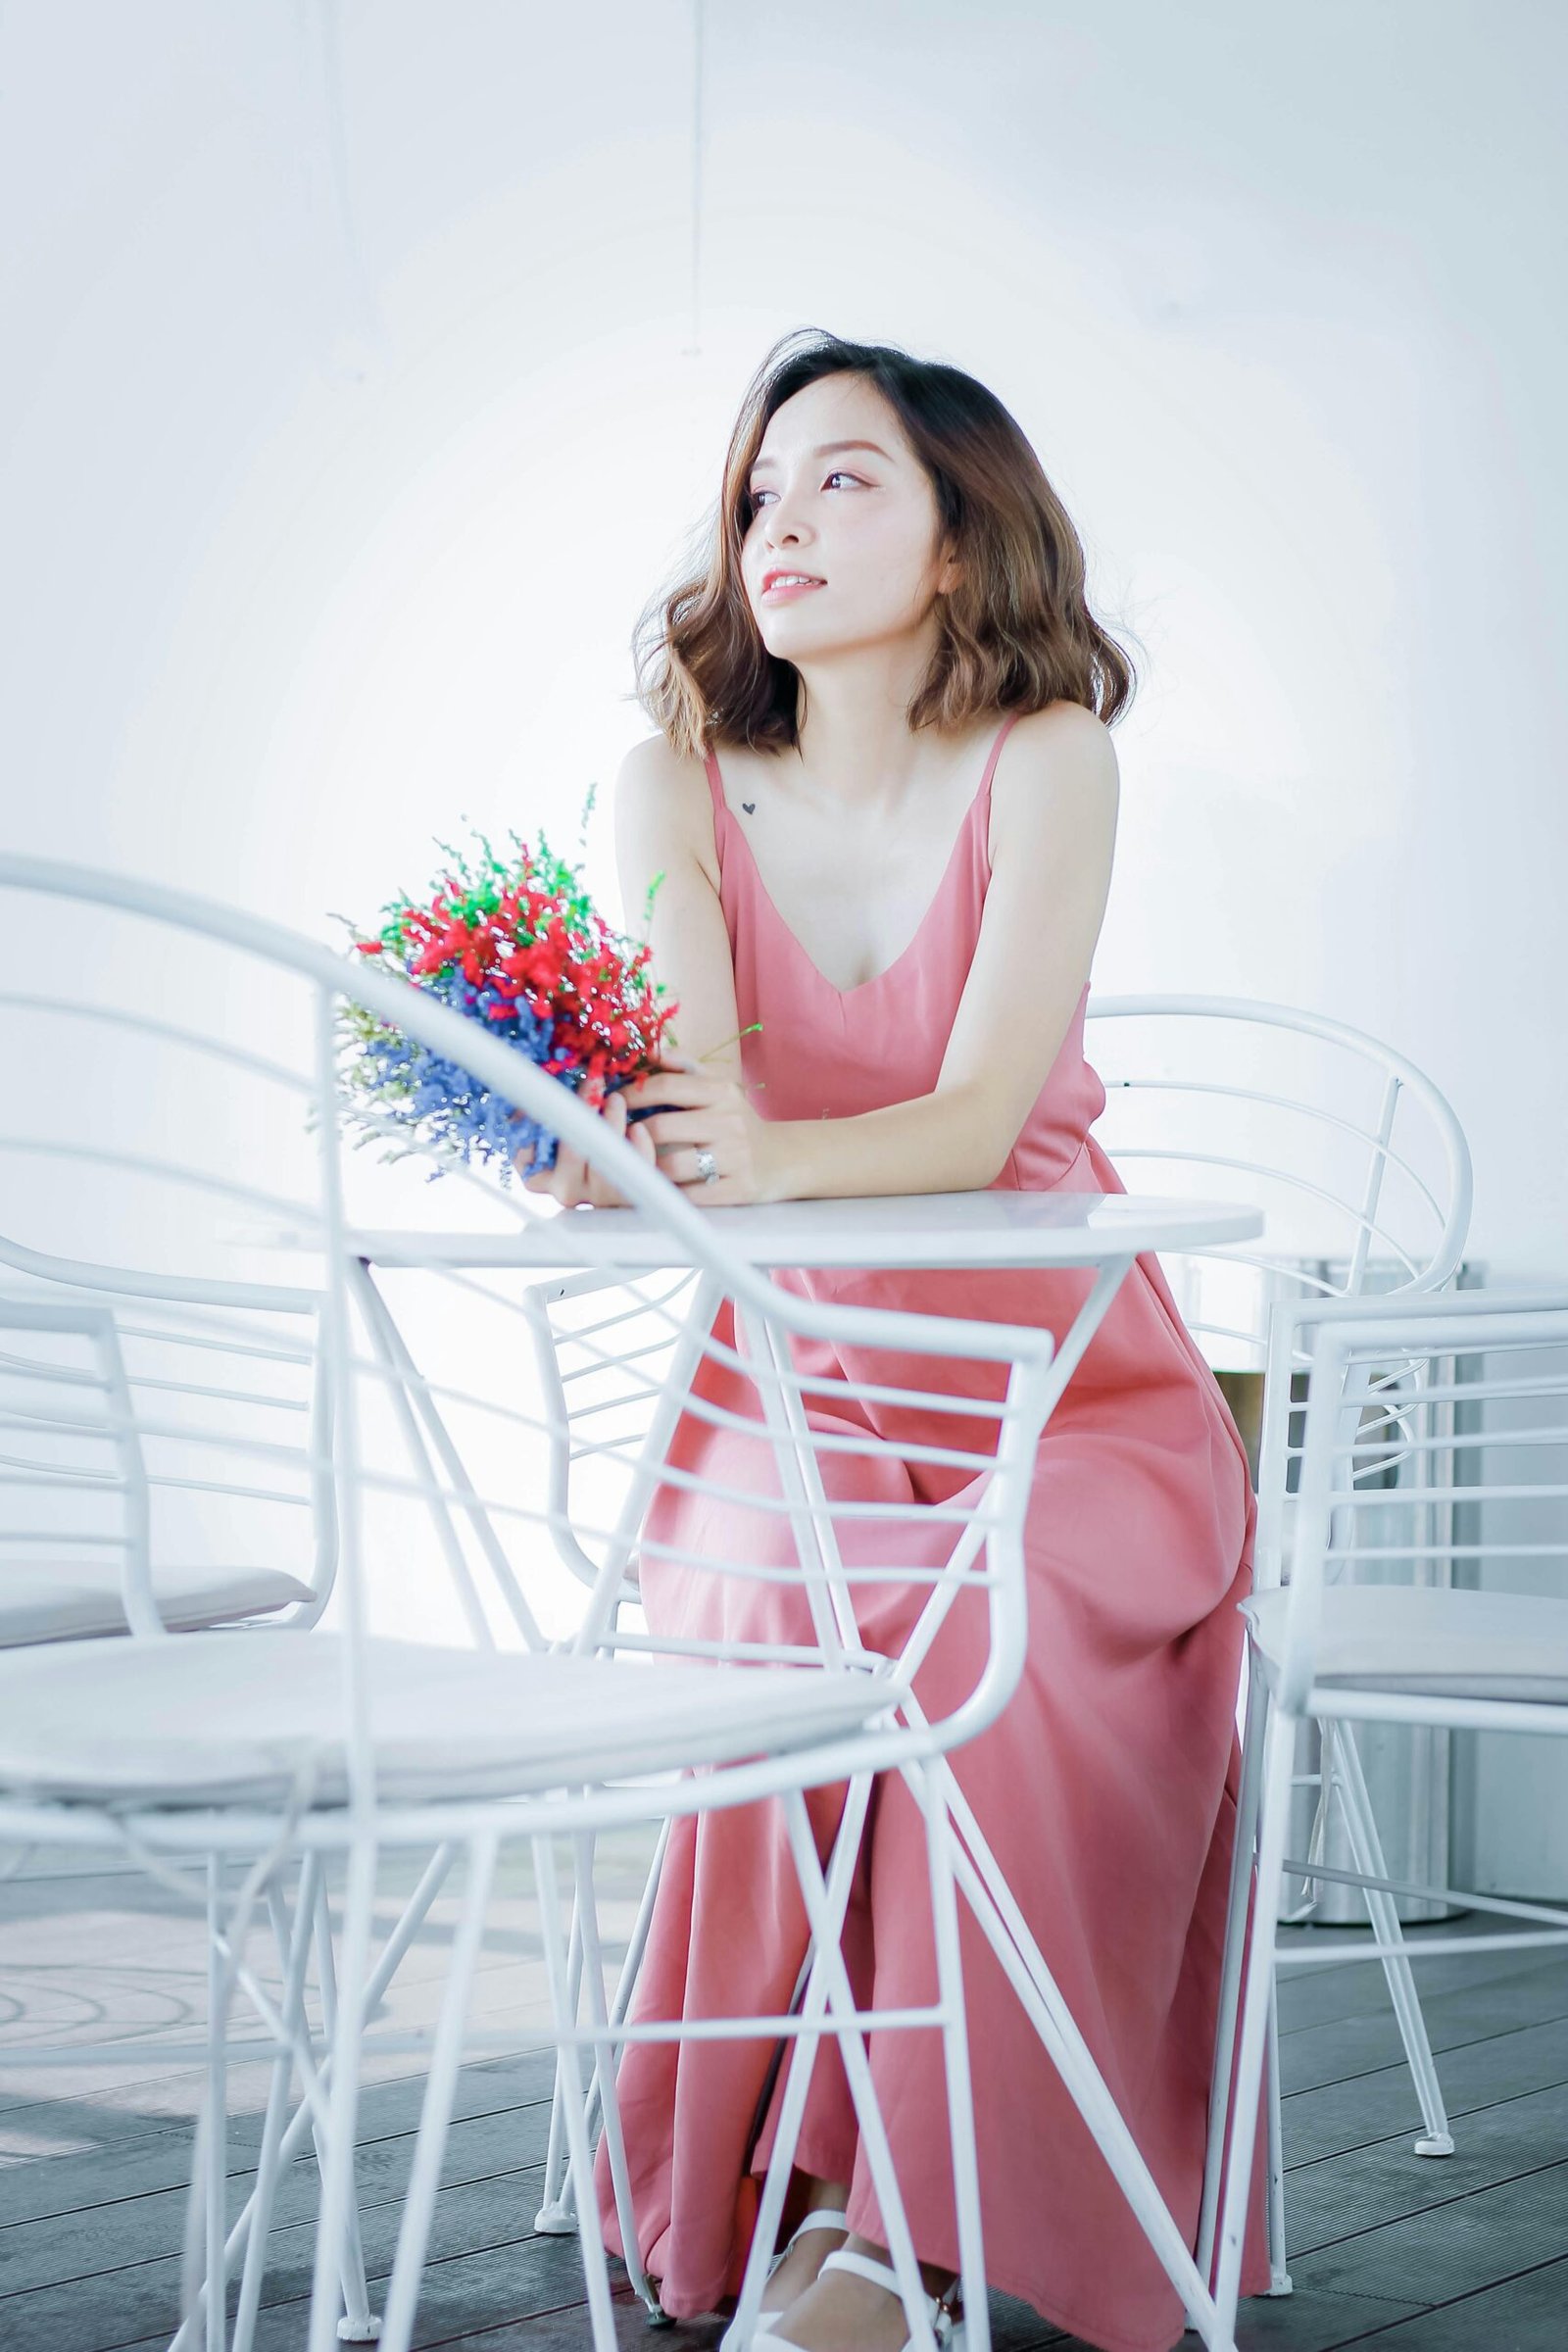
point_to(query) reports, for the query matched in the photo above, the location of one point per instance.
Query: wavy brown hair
(1016, 632)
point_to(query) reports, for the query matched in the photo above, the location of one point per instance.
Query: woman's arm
(664, 829)
(1053, 827)
(660, 813)
(1053, 837)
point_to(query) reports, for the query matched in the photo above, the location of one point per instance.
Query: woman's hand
(703, 1111)
(711, 1113)
(706, 1113)
(571, 1181)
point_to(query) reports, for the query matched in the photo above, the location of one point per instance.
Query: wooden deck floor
(1417, 2256)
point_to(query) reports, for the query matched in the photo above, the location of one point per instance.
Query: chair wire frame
(570, 1353)
(275, 1750)
(1365, 1177)
(92, 1489)
(1356, 1155)
(1353, 1153)
(1472, 1656)
(85, 1471)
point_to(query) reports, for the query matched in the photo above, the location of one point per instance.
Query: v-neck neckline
(861, 986)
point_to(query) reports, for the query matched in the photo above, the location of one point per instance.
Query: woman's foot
(841, 2311)
(822, 2226)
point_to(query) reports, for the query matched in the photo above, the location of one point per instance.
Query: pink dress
(1107, 1787)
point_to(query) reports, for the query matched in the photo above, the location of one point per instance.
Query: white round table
(990, 1228)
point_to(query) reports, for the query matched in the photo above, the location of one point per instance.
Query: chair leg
(986, 1891)
(563, 2012)
(826, 1933)
(1278, 1759)
(1279, 2282)
(960, 2091)
(557, 2216)
(604, 2080)
(435, 2115)
(294, 1946)
(358, 2323)
(814, 2002)
(365, 2327)
(1243, 1856)
(215, 2138)
(558, 2212)
(1383, 1912)
(312, 1921)
(208, 2251)
(335, 2215)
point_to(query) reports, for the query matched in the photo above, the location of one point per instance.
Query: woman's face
(861, 520)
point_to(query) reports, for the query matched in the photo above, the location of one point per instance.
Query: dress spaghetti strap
(980, 811)
(714, 785)
(983, 796)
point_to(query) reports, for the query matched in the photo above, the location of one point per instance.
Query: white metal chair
(94, 1377)
(602, 1343)
(1363, 1172)
(1403, 1647)
(606, 1410)
(295, 1744)
(610, 1404)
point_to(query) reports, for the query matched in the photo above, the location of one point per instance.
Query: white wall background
(339, 446)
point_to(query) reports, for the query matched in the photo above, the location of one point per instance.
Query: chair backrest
(604, 1347)
(178, 1152)
(149, 1434)
(1356, 1159)
(74, 1478)
(1392, 1492)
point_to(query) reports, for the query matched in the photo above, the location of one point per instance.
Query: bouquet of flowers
(516, 943)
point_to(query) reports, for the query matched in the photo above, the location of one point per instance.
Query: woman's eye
(839, 475)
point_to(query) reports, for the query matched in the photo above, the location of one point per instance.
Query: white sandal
(821, 2216)
(949, 2332)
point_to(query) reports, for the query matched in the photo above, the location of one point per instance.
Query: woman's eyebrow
(827, 450)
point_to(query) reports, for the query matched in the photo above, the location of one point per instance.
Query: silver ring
(707, 1164)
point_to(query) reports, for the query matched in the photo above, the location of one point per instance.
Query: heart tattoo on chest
(749, 808)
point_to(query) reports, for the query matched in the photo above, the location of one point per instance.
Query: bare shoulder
(1064, 742)
(1057, 767)
(662, 807)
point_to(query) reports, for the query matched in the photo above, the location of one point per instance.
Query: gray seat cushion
(1428, 1641)
(71, 1601)
(225, 1717)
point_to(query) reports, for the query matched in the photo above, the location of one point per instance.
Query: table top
(986, 1228)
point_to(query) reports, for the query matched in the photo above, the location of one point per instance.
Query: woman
(899, 868)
